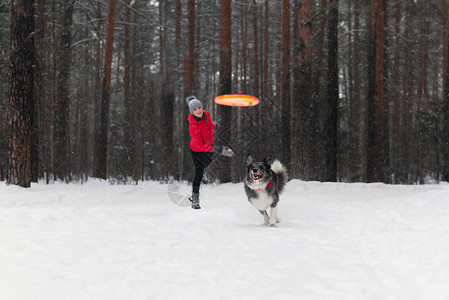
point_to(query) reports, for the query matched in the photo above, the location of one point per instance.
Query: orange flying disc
(237, 100)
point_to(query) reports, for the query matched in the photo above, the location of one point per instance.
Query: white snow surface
(335, 241)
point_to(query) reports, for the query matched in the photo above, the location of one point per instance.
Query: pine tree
(21, 93)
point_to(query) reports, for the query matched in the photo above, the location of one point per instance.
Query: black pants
(200, 160)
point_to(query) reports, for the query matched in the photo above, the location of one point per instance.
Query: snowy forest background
(353, 90)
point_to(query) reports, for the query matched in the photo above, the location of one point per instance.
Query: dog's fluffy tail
(281, 172)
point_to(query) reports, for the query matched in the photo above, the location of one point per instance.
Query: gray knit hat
(193, 103)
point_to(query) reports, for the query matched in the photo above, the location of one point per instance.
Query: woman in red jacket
(201, 146)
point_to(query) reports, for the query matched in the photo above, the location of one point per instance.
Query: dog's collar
(267, 187)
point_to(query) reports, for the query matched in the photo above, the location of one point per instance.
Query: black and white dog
(264, 182)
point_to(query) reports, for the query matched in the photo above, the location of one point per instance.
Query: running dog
(264, 182)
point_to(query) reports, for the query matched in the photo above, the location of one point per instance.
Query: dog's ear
(249, 159)
(268, 160)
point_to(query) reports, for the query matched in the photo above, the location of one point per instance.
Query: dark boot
(195, 199)
(205, 180)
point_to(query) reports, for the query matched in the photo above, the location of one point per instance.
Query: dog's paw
(273, 222)
(268, 223)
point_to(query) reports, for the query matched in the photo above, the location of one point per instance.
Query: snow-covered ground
(335, 241)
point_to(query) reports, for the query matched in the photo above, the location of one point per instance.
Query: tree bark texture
(102, 141)
(62, 158)
(130, 125)
(377, 129)
(285, 84)
(333, 95)
(445, 172)
(21, 93)
(301, 101)
(225, 86)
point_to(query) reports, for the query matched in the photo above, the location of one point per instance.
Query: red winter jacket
(201, 133)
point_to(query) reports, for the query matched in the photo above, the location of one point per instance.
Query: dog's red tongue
(257, 176)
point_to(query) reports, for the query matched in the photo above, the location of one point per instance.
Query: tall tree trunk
(130, 126)
(62, 157)
(167, 98)
(83, 149)
(242, 76)
(301, 103)
(38, 162)
(285, 82)
(190, 77)
(99, 67)
(445, 175)
(21, 93)
(168, 102)
(423, 152)
(371, 171)
(319, 96)
(333, 95)
(358, 120)
(190, 83)
(137, 86)
(407, 95)
(377, 131)
(102, 141)
(225, 85)
(265, 107)
(256, 77)
(178, 15)
(395, 134)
